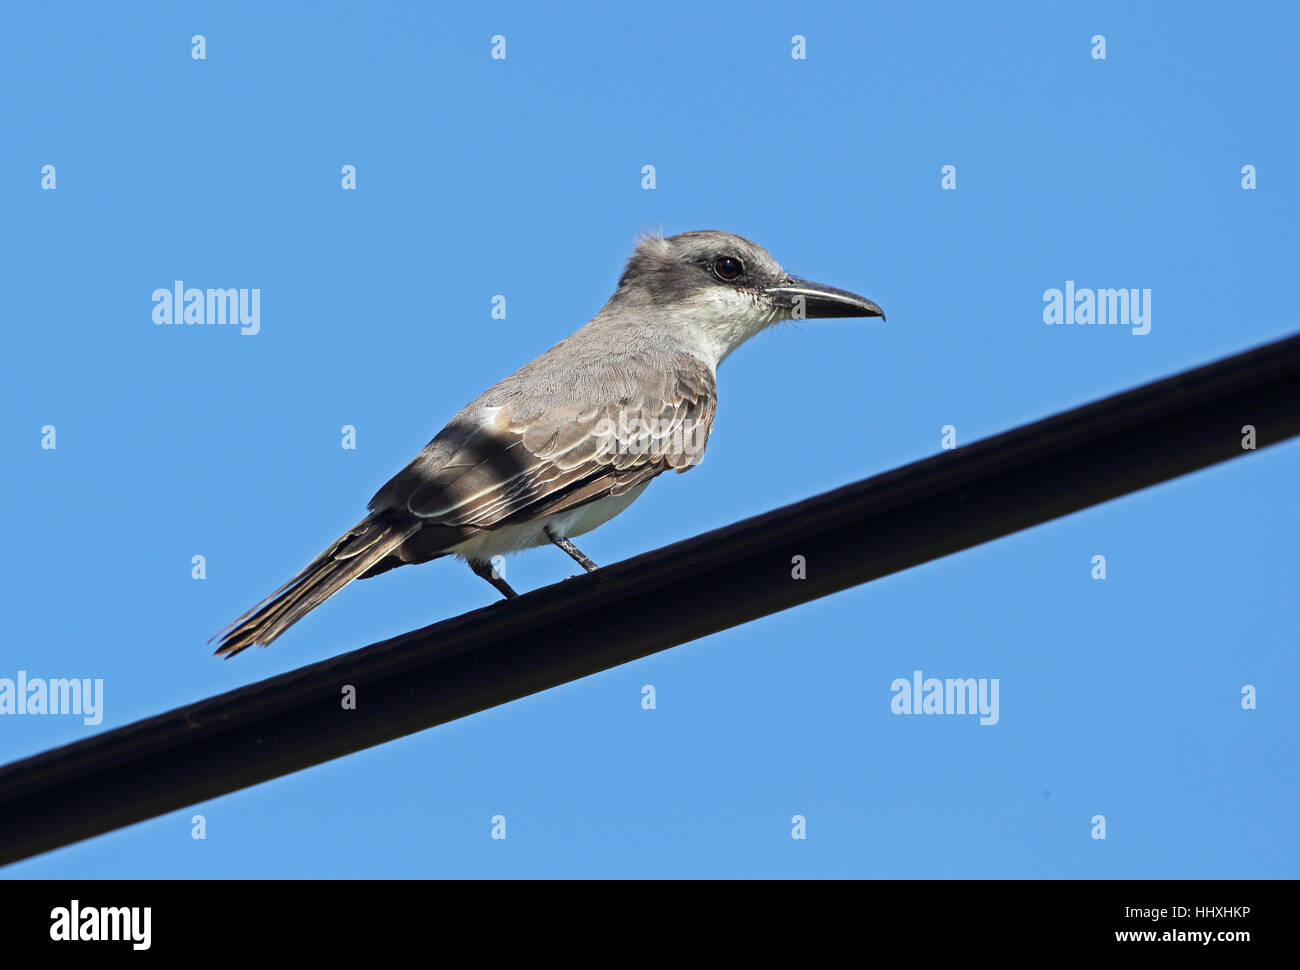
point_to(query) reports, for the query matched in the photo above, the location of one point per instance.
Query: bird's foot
(572, 550)
(486, 571)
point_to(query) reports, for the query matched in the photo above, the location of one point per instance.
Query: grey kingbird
(573, 438)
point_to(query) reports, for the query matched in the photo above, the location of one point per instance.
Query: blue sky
(523, 177)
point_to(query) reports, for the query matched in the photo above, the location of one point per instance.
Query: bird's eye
(728, 268)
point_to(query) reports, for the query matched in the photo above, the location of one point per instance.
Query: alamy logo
(1082, 306)
(634, 435)
(37, 695)
(930, 695)
(102, 923)
(241, 308)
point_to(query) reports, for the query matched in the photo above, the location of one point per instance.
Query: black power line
(721, 579)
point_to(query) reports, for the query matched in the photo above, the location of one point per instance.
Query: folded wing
(516, 461)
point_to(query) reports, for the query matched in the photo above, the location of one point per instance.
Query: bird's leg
(572, 550)
(485, 570)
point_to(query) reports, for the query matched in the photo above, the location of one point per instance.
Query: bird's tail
(363, 546)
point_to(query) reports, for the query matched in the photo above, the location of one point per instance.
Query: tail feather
(367, 543)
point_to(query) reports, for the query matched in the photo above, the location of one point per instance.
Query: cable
(681, 592)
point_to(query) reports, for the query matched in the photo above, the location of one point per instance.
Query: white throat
(724, 319)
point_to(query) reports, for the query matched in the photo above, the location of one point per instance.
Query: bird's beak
(812, 300)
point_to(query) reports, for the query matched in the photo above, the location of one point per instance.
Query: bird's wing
(522, 460)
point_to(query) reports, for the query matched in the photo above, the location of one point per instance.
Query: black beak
(809, 301)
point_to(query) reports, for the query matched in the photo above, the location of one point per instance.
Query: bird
(574, 437)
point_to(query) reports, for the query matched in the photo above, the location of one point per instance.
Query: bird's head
(727, 287)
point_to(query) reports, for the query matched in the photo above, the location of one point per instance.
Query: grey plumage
(571, 438)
